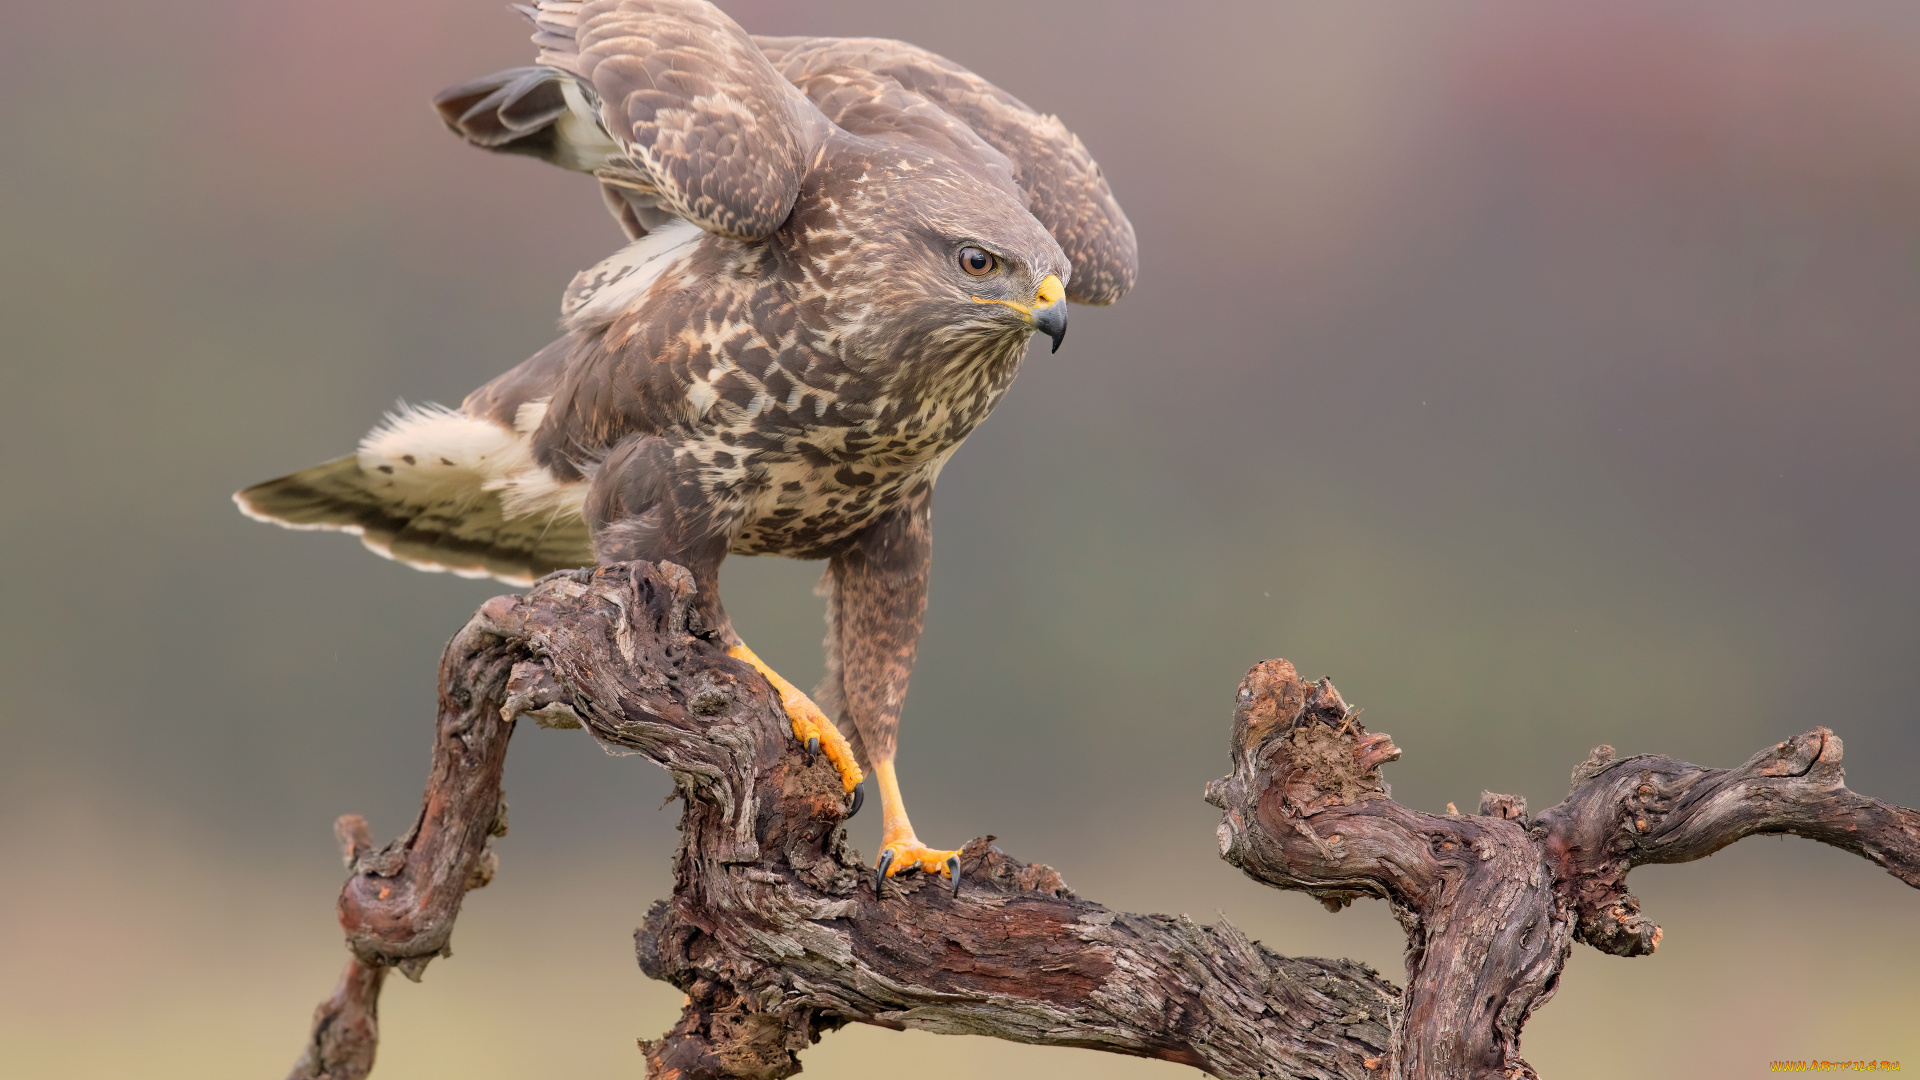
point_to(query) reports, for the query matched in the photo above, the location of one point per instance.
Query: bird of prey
(840, 248)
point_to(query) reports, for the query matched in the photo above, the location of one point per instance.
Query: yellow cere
(1047, 295)
(1050, 291)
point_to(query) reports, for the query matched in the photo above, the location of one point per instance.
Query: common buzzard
(840, 248)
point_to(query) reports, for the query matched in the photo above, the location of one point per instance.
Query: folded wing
(680, 113)
(709, 127)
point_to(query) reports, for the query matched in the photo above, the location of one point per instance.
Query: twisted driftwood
(776, 933)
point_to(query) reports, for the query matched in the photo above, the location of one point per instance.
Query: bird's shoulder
(681, 338)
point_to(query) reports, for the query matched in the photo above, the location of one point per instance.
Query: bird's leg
(811, 726)
(899, 848)
(877, 599)
(634, 512)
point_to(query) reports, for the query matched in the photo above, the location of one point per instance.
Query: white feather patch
(431, 454)
(604, 290)
(701, 396)
(584, 144)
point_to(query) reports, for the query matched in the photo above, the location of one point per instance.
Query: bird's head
(935, 259)
(1035, 295)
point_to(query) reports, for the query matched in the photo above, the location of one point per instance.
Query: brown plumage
(841, 248)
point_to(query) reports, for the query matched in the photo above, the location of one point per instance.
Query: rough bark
(777, 935)
(1493, 902)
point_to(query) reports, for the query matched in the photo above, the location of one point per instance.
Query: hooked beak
(1049, 312)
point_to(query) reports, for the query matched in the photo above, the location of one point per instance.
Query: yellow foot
(908, 853)
(899, 848)
(810, 725)
(911, 854)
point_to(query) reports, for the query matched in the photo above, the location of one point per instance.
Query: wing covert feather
(721, 136)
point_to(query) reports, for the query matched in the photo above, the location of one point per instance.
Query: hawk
(840, 248)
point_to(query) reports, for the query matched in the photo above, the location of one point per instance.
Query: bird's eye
(977, 262)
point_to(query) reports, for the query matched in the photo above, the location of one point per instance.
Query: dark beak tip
(1052, 321)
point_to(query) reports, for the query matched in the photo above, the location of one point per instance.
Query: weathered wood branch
(777, 935)
(1492, 903)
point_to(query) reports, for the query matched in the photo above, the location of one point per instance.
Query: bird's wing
(702, 122)
(709, 126)
(438, 489)
(546, 113)
(864, 103)
(1066, 191)
(517, 111)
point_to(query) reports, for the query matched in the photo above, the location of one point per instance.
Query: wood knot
(1796, 756)
(354, 836)
(503, 616)
(710, 694)
(1375, 750)
(533, 693)
(1270, 697)
(1599, 761)
(981, 862)
(1505, 807)
(1322, 766)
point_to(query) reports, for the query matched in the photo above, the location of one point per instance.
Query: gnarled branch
(1492, 903)
(777, 935)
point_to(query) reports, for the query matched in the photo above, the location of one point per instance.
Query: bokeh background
(1547, 374)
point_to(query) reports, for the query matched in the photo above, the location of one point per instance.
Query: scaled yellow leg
(808, 721)
(899, 848)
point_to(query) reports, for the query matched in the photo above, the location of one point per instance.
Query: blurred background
(1546, 374)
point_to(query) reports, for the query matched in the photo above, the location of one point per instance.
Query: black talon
(880, 873)
(859, 796)
(813, 747)
(953, 870)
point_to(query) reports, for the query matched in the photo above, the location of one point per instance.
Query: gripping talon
(953, 871)
(904, 853)
(811, 727)
(880, 873)
(859, 796)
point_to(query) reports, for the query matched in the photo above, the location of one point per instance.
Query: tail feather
(437, 490)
